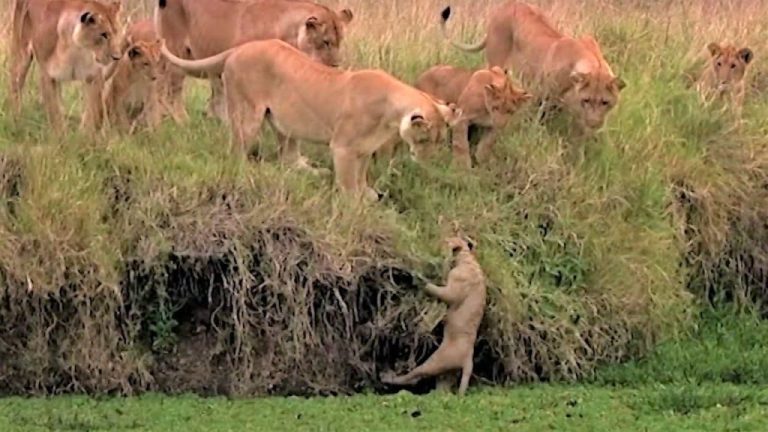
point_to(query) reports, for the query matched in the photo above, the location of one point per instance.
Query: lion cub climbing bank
(725, 75)
(558, 68)
(357, 112)
(487, 99)
(465, 295)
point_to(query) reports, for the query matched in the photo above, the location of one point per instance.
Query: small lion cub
(488, 101)
(132, 95)
(465, 295)
(725, 75)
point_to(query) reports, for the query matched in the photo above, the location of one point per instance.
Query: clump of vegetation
(162, 261)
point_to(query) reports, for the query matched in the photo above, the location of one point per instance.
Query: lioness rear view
(205, 28)
(72, 40)
(358, 112)
(559, 68)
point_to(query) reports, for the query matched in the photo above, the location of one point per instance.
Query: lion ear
(116, 6)
(578, 78)
(133, 53)
(346, 15)
(87, 18)
(714, 49)
(312, 23)
(619, 83)
(746, 55)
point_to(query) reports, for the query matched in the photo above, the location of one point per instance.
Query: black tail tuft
(163, 3)
(446, 13)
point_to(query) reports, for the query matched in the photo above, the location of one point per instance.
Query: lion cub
(132, 95)
(465, 295)
(488, 101)
(725, 74)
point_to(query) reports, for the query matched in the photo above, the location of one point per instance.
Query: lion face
(502, 102)
(459, 244)
(145, 59)
(424, 131)
(591, 97)
(97, 31)
(320, 38)
(729, 65)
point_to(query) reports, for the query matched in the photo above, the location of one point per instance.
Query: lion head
(592, 96)
(145, 59)
(98, 31)
(321, 36)
(425, 130)
(503, 99)
(729, 65)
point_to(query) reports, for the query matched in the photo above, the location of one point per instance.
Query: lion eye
(604, 102)
(105, 36)
(719, 64)
(733, 65)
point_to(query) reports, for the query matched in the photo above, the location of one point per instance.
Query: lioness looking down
(72, 40)
(132, 94)
(725, 74)
(465, 294)
(560, 69)
(487, 100)
(357, 112)
(200, 29)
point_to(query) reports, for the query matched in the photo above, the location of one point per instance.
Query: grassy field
(540, 408)
(695, 384)
(115, 250)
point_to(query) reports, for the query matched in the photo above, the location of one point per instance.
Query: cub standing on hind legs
(486, 98)
(357, 112)
(465, 295)
(72, 40)
(557, 68)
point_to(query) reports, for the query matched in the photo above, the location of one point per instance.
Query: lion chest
(70, 63)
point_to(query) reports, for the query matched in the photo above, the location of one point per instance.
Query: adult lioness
(487, 99)
(132, 95)
(465, 294)
(357, 112)
(72, 40)
(205, 28)
(558, 68)
(725, 75)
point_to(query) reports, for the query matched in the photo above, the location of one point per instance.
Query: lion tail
(210, 65)
(444, 16)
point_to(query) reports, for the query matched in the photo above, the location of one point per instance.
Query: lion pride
(198, 29)
(72, 40)
(561, 69)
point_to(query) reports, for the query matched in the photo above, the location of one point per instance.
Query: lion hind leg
(443, 360)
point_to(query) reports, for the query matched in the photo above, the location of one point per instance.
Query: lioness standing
(357, 112)
(72, 40)
(465, 295)
(200, 29)
(487, 99)
(561, 69)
